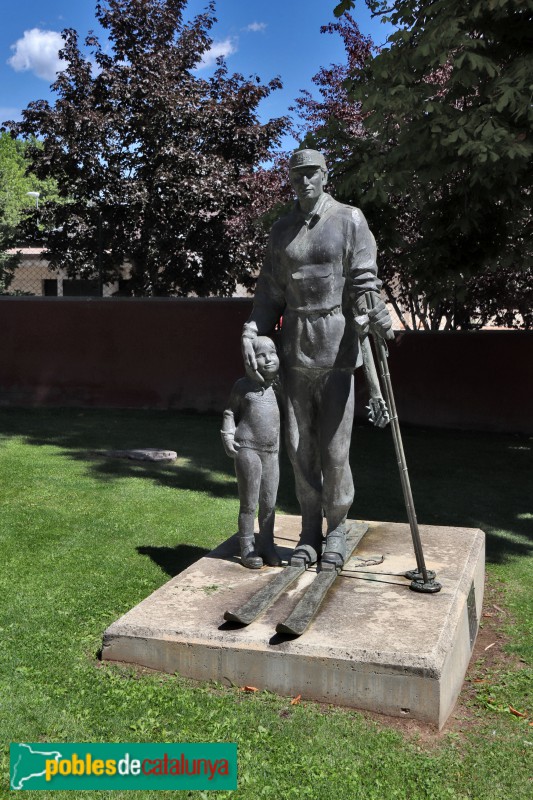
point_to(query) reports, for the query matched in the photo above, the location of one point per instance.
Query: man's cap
(307, 158)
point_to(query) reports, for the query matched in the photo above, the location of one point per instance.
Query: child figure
(250, 434)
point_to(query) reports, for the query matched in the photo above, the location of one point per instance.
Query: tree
(11, 182)
(15, 205)
(333, 121)
(155, 161)
(8, 261)
(442, 164)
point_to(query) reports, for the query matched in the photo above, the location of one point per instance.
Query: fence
(185, 353)
(33, 277)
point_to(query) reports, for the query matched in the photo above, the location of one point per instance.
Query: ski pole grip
(387, 335)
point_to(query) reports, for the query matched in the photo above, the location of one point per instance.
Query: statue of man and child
(320, 262)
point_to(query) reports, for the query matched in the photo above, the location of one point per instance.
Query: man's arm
(269, 304)
(363, 276)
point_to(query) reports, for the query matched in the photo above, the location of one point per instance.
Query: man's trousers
(319, 419)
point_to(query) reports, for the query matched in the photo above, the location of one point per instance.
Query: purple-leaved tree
(156, 162)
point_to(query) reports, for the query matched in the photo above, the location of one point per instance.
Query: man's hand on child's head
(250, 361)
(249, 335)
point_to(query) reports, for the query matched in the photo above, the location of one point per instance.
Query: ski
(309, 604)
(268, 594)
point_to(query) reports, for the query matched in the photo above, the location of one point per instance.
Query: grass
(84, 538)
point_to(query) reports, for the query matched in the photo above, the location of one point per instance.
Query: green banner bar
(83, 766)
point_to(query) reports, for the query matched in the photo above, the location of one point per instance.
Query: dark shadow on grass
(173, 560)
(84, 431)
(190, 477)
(81, 434)
(459, 478)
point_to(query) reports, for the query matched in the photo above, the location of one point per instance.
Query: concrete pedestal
(374, 644)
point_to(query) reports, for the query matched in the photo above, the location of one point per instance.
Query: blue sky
(263, 37)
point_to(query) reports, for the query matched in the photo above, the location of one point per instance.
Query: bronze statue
(250, 434)
(321, 260)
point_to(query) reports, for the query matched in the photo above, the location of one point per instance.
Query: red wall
(467, 379)
(185, 353)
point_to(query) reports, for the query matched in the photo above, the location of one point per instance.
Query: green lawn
(84, 538)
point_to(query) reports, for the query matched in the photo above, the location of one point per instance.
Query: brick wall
(185, 353)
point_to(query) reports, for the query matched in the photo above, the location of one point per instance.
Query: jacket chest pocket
(313, 272)
(315, 286)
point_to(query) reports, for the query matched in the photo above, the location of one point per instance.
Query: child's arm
(228, 424)
(228, 433)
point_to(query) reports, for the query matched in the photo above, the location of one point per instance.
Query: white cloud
(255, 27)
(225, 48)
(38, 51)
